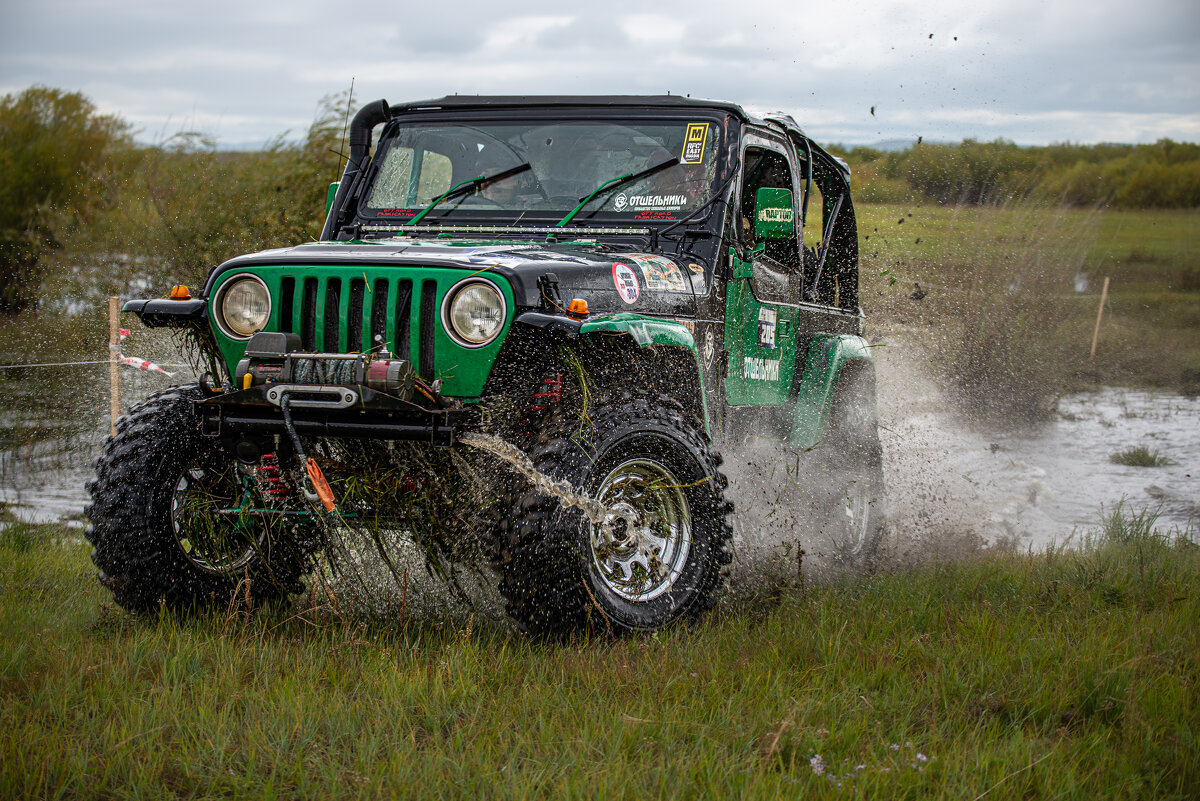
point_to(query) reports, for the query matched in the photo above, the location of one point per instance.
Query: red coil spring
(549, 391)
(270, 478)
(411, 482)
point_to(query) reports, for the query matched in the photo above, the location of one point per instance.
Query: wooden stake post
(114, 362)
(1099, 316)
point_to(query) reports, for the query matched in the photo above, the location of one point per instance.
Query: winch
(275, 358)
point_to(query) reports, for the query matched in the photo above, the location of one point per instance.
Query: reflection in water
(1041, 484)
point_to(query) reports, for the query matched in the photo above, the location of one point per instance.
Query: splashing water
(600, 515)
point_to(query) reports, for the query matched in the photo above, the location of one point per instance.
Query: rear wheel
(654, 556)
(855, 511)
(176, 521)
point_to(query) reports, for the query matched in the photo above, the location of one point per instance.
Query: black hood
(609, 280)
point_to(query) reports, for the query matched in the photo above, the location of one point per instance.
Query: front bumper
(332, 411)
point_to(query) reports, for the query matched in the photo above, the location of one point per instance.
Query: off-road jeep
(528, 328)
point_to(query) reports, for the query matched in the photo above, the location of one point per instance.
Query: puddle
(52, 428)
(945, 477)
(1038, 485)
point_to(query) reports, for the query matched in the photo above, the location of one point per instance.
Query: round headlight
(243, 306)
(474, 313)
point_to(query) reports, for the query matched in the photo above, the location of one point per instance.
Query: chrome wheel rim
(642, 546)
(853, 516)
(209, 521)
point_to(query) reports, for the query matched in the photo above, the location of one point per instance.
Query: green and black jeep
(528, 329)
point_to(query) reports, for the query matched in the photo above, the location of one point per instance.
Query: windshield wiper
(612, 184)
(467, 187)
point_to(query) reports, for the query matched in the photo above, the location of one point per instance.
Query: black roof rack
(526, 101)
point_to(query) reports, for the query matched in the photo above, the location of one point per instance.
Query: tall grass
(999, 306)
(1140, 456)
(1068, 674)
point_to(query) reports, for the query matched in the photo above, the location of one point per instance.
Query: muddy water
(950, 478)
(947, 477)
(52, 428)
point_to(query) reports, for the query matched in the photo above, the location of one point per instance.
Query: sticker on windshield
(661, 273)
(693, 143)
(625, 280)
(625, 202)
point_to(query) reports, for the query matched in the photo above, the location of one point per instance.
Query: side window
(833, 282)
(813, 225)
(410, 178)
(776, 267)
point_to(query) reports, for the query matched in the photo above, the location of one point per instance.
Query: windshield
(568, 160)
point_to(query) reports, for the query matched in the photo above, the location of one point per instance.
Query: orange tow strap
(320, 484)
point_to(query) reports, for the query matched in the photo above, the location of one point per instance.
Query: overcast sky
(1034, 71)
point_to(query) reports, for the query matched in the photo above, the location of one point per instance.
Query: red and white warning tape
(142, 364)
(114, 347)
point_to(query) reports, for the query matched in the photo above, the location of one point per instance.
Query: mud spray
(955, 485)
(952, 486)
(778, 494)
(370, 564)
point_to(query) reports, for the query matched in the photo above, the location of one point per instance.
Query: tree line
(78, 188)
(1163, 175)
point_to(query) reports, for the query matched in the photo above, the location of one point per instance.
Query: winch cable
(312, 470)
(324, 371)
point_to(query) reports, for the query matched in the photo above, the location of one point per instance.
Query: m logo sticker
(693, 143)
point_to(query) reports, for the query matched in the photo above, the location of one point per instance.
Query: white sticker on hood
(626, 282)
(660, 272)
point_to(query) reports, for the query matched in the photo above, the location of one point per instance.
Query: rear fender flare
(828, 358)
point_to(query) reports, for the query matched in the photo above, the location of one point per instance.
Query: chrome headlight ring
(247, 297)
(474, 312)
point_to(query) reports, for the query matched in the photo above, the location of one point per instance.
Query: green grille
(336, 310)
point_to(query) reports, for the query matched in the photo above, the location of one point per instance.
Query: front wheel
(656, 552)
(176, 521)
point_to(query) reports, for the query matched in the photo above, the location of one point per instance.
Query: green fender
(827, 355)
(649, 331)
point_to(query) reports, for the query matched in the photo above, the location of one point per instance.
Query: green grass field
(1060, 675)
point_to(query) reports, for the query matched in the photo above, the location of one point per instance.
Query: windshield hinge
(548, 287)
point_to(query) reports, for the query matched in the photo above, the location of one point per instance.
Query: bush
(1140, 456)
(1163, 175)
(55, 153)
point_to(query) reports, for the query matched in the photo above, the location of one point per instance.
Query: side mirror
(329, 194)
(774, 216)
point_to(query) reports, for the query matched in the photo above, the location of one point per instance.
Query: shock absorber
(549, 391)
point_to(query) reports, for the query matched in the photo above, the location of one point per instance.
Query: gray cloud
(1029, 70)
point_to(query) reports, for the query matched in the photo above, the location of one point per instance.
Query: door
(760, 312)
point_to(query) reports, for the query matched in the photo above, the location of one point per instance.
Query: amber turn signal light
(180, 293)
(577, 308)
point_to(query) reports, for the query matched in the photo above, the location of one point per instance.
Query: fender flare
(649, 332)
(827, 357)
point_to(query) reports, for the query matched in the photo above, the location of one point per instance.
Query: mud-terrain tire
(157, 485)
(559, 575)
(855, 506)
